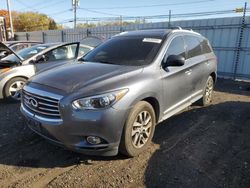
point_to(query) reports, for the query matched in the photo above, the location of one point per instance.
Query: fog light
(93, 140)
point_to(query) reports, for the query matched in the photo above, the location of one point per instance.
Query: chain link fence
(230, 38)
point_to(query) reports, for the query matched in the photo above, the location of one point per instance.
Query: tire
(12, 88)
(207, 93)
(138, 130)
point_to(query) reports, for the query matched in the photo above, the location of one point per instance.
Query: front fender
(23, 71)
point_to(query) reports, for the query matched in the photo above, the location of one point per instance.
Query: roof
(16, 42)
(156, 33)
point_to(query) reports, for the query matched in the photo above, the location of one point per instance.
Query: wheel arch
(156, 106)
(214, 76)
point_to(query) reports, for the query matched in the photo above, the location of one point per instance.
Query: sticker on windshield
(41, 47)
(33, 52)
(153, 40)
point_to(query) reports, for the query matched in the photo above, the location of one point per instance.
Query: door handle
(188, 72)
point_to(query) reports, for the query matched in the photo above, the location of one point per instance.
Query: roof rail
(176, 27)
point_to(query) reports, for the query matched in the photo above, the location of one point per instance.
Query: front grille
(43, 106)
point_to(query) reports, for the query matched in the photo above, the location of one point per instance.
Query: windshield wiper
(81, 59)
(96, 61)
(105, 62)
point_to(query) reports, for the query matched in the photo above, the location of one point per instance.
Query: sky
(61, 10)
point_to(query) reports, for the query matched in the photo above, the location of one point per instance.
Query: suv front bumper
(72, 131)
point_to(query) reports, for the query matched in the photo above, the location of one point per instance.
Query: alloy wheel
(15, 88)
(141, 129)
(209, 90)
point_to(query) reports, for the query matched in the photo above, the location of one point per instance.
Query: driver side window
(176, 47)
(60, 53)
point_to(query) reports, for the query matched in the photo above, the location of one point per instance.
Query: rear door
(176, 80)
(196, 62)
(58, 56)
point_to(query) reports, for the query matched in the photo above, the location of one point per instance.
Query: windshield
(25, 53)
(134, 51)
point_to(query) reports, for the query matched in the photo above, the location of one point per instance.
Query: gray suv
(112, 98)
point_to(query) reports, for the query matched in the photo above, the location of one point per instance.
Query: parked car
(112, 100)
(16, 68)
(15, 46)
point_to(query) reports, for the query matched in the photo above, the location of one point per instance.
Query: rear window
(134, 51)
(193, 46)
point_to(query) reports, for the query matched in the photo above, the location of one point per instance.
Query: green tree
(33, 21)
(52, 24)
(29, 21)
(85, 25)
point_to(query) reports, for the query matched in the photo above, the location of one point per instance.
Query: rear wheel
(208, 92)
(138, 130)
(13, 87)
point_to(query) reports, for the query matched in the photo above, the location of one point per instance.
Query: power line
(37, 5)
(148, 6)
(164, 16)
(59, 12)
(52, 14)
(54, 3)
(99, 12)
(26, 5)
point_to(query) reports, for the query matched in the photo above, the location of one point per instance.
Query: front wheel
(13, 88)
(138, 130)
(208, 92)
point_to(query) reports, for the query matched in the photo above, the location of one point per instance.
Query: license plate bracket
(35, 125)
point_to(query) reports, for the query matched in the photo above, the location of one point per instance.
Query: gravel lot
(200, 147)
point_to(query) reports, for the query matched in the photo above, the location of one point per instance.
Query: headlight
(99, 101)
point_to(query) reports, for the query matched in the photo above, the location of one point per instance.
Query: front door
(176, 79)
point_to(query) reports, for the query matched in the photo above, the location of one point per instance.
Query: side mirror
(173, 60)
(32, 61)
(3, 54)
(40, 58)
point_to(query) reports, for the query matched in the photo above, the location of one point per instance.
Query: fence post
(62, 38)
(241, 35)
(88, 32)
(43, 37)
(121, 29)
(27, 36)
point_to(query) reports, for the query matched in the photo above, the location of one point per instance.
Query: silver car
(17, 68)
(112, 99)
(15, 46)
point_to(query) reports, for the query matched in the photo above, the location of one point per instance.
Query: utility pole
(75, 4)
(241, 34)
(169, 19)
(121, 24)
(10, 17)
(75, 15)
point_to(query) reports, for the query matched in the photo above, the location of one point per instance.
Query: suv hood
(73, 77)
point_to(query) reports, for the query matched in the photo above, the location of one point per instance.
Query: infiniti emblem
(33, 102)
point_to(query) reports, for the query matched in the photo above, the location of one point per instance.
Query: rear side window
(193, 46)
(205, 46)
(18, 47)
(176, 47)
